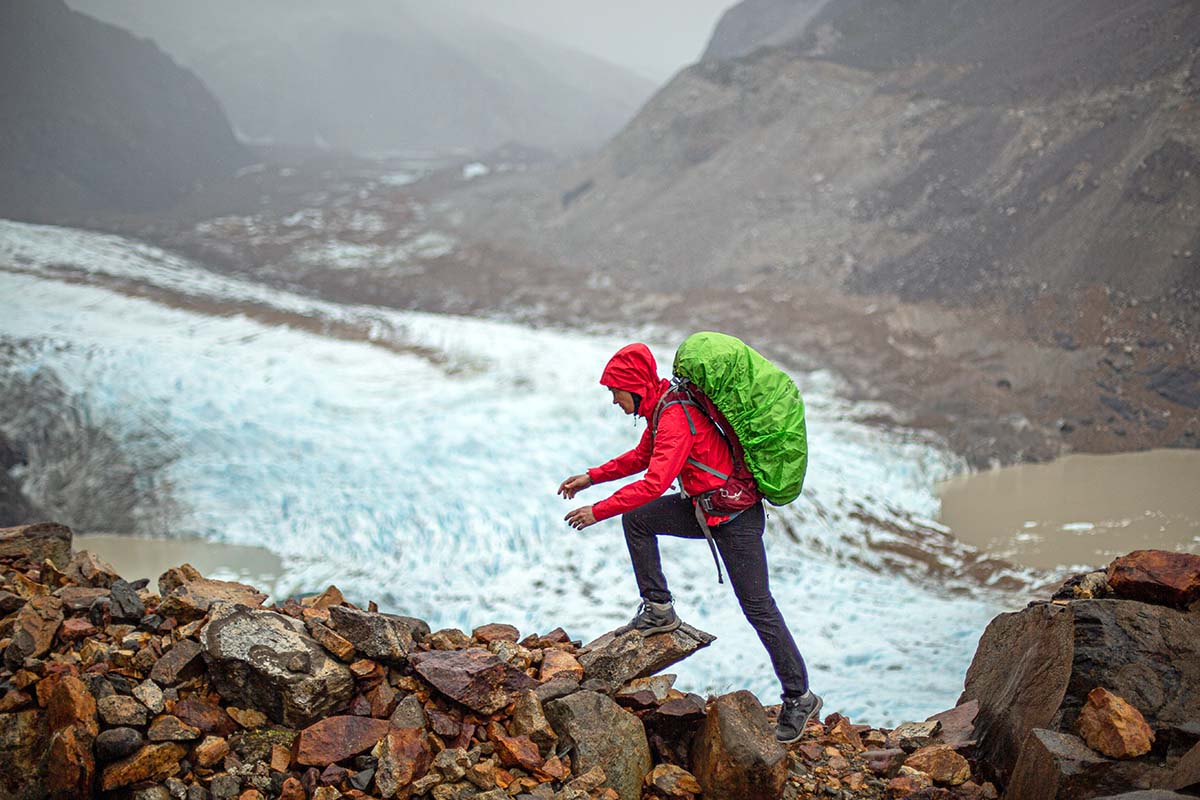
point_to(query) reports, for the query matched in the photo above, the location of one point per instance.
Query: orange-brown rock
(210, 718)
(558, 662)
(843, 732)
(70, 703)
(941, 763)
(403, 756)
(152, 762)
(292, 789)
(37, 542)
(514, 751)
(907, 782)
(72, 764)
(34, 628)
(1112, 726)
(734, 754)
(496, 632)
(247, 717)
(76, 628)
(210, 750)
(553, 769)
(281, 758)
(187, 594)
(335, 738)
(169, 728)
(1157, 576)
(331, 641)
(673, 781)
(475, 678)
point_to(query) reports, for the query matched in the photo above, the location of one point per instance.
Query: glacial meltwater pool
(413, 459)
(1080, 510)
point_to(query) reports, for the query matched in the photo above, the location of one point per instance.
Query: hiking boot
(653, 618)
(794, 715)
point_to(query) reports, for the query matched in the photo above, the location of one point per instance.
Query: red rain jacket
(664, 458)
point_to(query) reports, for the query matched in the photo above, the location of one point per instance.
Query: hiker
(683, 443)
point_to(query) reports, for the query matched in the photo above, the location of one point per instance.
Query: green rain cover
(761, 403)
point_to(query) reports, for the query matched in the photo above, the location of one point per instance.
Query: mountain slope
(93, 118)
(380, 76)
(935, 149)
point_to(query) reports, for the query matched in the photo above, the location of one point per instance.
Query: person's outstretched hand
(573, 485)
(581, 518)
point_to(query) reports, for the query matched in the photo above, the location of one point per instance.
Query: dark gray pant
(741, 546)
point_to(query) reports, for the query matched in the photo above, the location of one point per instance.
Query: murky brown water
(136, 557)
(1079, 510)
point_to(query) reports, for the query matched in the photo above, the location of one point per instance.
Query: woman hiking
(687, 445)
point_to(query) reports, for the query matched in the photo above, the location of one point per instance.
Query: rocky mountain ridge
(97, 119)
(201, 690)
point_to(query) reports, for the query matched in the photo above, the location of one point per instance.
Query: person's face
(623, 399)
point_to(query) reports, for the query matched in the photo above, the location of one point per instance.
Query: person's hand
(581, 518)
(573, 485)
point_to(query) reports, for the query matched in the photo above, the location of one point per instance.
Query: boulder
(957, 725)
(383, 637)
(529, 719)
(336, 738)
(33, 630)
(1034, 669)
(1113, 727)
(73, 765)
(183, 661)
(734, 754)
(187, 595)
(475, 678)
(599, 733)
(1056, 765)
(1157, 576)
(911, 736)
(89, 570)
(402, 756)
(263, 660)
(24, 742)
(617, 658)
(37, 542)
(71, 704)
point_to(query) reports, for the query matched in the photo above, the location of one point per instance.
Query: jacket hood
(634, 369)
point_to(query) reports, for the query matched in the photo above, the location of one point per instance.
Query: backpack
(758, 410)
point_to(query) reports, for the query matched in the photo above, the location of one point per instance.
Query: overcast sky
(655, 38)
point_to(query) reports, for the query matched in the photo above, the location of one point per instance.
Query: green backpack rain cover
(761, 403)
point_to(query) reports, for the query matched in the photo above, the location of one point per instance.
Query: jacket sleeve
(667, 456)
(626, 464)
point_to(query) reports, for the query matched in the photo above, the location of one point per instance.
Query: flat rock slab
(267, 661)
(336, 738)
(37, 542)
(599, 733)
(616, 658)
(183, 661)
(1157, 576)
(475, 678)
(735, 753)
(187, 595)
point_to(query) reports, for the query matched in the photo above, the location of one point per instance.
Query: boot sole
(816, 710)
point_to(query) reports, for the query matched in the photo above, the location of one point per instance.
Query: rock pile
(200, 691)
(1097, 691)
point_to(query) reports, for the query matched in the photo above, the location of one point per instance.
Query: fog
(652, 39)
